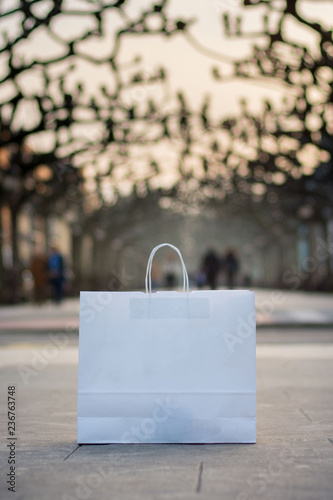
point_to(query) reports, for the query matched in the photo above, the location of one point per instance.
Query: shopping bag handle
(150, 262)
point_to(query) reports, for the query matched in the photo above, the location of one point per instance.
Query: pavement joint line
(72, 452)
(305, 415)
(260, 327)
(199, 483)
(330, 440)
(268, 326)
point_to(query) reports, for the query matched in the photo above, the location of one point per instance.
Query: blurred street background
(127, 124)
(205, 124)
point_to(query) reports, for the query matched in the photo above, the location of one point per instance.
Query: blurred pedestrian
(38, 268)
(231, 267)
(211, 267)
(170, 269)
(201, 279)
(56, 273)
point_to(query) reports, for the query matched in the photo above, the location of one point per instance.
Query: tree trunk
(76, 262)
(2, 269)
(16, 275)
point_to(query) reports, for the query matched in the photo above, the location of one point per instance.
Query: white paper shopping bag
(167, 367)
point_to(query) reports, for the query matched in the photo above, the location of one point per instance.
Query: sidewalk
(47, 317)
(292, 459)
(274, 308)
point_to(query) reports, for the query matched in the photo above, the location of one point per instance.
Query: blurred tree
(50, 122)
(30, 178)
(280, 156)
(290, 146)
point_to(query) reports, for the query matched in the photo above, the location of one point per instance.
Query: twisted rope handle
(186, 287)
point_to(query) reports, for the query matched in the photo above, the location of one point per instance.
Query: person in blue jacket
(56, 273)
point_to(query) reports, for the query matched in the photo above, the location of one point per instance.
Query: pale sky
(188, 69)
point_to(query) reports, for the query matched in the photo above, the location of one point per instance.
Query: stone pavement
(274, 307)
(292, 459)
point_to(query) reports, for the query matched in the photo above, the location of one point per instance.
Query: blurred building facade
(110, 252)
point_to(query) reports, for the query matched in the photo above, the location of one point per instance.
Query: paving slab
(292, 459)
(273, 307)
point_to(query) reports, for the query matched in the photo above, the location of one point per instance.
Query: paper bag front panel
(167, 368)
